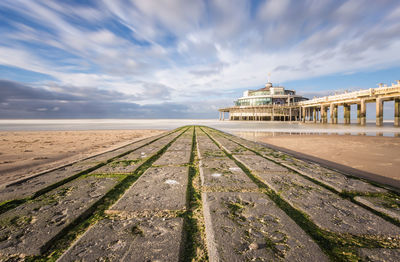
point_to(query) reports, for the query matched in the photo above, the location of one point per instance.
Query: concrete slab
(130, 162)
(149, 150)
(389, 206)
(229, 145)
(119, 167)
(206, 148)
(333, 179)
(28, 228)
(137, 239)
(250, 144)
(326, 209)
(179, 152)
(29, 187)
(224, 175)
(250, 227)
(174, 158)
(111, 154)
(142, 153)
(259, 164)
(379, 254)
(183, 144)
(158, 189)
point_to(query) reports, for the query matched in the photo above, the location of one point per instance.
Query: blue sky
(183, 58)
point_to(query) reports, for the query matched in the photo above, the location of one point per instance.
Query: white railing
(353, 95)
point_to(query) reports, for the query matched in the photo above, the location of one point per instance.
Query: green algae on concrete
(29, 187)
(250, 227)
(128, 163)
(224, 175)
(264, 186)
(328, 210)
(206, 148)
(179, 152)
(158, 189)
(134, 239)
(174, 158)
(28, 229)
(259, 164)
(332, 179)
(379, 254)
(388, 205)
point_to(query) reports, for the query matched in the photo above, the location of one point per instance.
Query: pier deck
(198, 194)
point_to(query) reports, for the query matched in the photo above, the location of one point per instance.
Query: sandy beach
(24, 153)
(376, 155)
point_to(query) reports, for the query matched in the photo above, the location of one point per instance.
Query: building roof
(267, 87)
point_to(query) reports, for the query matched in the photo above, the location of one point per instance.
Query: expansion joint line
(193, 216)
(64, 239)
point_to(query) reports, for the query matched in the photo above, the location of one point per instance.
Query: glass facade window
(253, 101)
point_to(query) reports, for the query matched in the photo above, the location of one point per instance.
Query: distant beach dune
(373, 155)
(23, 153)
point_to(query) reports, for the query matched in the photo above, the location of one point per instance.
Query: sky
(184, 58)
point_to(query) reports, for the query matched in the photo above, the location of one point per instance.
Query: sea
(247, 128)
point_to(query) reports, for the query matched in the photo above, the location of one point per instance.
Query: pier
(317, 109)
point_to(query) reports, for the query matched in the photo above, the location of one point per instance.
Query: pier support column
(331, 113)
(307, 116)
(220, 116)
(303, 117)
(319, 115)
(335, 114)
(359, 114)
(397, 112)
(363, 113)
(346, 109)
(314, 115)
(272, 113)
(379, 111)
(324, 114)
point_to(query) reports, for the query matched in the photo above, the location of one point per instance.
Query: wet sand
(24, 153)
(371, 155)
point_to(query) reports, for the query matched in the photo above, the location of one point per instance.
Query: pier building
(277, 104)
(274, 103)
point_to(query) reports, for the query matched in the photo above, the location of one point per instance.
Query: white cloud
(171, 48)
(273, 9)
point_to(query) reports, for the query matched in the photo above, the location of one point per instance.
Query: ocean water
(251, 127)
